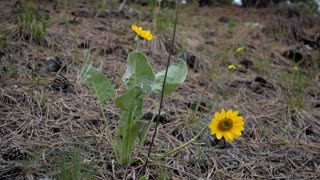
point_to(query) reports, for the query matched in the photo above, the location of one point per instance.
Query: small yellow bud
(239, 50)
(232, 67)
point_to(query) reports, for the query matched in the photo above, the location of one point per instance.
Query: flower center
(225, 124)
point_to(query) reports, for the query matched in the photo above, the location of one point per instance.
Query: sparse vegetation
(73, 166)
(65, 123)
(29, 24)
(3, 39)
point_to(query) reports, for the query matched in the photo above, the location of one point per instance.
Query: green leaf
(99, 84)
(139, 72)
(131, 103)
(124, 101)
(177, 73)
(143, 132)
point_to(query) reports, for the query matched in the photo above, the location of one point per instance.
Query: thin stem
(138, 43)
(162, 92)
(184, 145)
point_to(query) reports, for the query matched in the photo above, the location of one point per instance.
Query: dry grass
(41, 127)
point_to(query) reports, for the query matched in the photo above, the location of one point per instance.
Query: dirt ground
(47, 117)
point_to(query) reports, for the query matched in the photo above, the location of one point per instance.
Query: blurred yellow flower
(296, 68)
(232, 67)
(239, 50)
(227, 124)
(142, 33)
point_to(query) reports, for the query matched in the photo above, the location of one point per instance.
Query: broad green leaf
(99, 84)
(131, 103)
(139, 72)
(124, 101)
(177, 73)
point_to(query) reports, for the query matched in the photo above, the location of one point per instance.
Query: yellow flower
(227, 124)
(142, 33)
(296, 68)
(232, 67)
(240, 49)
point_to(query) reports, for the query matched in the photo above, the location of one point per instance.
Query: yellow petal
(219, 135)
(235, 113)
(236, 133)
(229, 113)
(223, 113)
(217, 115)
(228, 136)
(211, 125)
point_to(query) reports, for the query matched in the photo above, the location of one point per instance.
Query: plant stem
(185, 144)
(162, 92)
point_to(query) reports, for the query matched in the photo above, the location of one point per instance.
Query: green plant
(11, 70)
(193, 118)
(102, 7)
(30, 25)
(294, 84)
(163, 20)
(295, 92)
(3, 39)
(140, 81)
(303, 7)
(67, 6)
(72, 166)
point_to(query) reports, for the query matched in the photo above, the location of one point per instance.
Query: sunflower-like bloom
(142, 33)
(227, 124)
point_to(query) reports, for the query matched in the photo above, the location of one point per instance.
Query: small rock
(259, 85)
(256, 87)
(53, 64)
